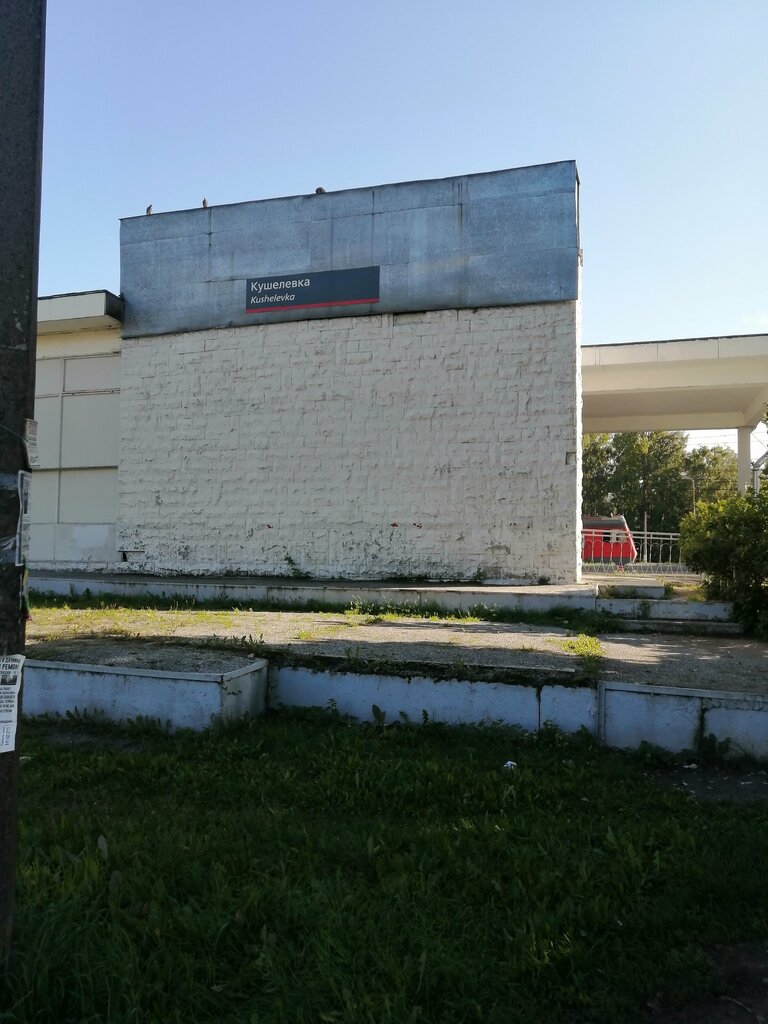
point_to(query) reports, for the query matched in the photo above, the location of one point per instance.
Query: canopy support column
(745, 461)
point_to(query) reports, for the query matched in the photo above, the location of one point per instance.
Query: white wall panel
(96, 373)
(88, 496)
(90, 430)
(48, 416)
(41, 542)
(78, 343)
(84, 543)
(44, 500)
(48, 376)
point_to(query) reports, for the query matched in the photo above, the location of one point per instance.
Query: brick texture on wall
(441, 444)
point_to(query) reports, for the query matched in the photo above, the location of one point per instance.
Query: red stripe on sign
(310, 305)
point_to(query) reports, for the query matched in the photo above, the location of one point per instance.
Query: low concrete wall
(417, 698)
(188, 700)
(618, 714)
(677, 719)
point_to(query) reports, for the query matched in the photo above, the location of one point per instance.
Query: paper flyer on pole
(9, 517)
(25, 521)
(10, 684)
(30, 444)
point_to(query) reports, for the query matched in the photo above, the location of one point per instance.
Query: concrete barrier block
(743, 722)
(569, 708)
(632, 715)
(686, 611)
(709, 611)
(450, 701)
(493, 702)
(184, 700)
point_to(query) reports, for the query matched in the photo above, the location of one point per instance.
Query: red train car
(607, 539)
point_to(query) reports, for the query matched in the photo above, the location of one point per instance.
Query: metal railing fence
(657, 553)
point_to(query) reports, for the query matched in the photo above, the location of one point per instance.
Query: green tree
(597, 470)
(648, 481)
(714, 472)
(637, 474)
(647, 476)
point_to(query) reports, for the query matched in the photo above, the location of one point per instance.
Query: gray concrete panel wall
(481, 240)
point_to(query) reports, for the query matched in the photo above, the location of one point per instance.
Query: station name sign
(311, 291)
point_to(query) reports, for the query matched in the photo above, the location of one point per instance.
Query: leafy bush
(727, 540)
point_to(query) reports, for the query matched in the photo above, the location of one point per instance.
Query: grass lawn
(303, 870)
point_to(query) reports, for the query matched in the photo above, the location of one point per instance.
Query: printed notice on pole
(9, 517)
(10, 684)
(30, 444)
(24, 523)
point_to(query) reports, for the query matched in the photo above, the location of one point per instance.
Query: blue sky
(662, 104)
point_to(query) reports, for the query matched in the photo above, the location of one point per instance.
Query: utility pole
(21, 129)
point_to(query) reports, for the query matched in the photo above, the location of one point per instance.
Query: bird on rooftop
(319, 191)
(205, 203)
(149, 209)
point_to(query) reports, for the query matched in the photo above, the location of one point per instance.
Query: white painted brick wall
(431, 444)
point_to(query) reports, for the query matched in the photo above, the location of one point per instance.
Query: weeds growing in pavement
(589, 651)
(114, 607)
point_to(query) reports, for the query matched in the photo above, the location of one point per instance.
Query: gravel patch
(704, 663)
(157, 639)
(158, 657)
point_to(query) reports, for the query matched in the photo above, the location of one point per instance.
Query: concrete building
(372, 383)
(77, 406)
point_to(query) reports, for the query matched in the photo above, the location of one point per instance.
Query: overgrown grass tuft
(589, 651)
(300, 869)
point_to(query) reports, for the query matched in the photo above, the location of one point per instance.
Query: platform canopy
(692, 384)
